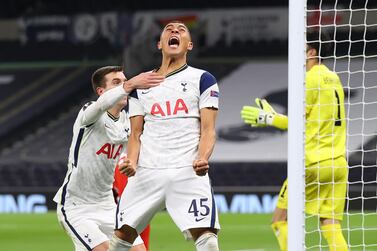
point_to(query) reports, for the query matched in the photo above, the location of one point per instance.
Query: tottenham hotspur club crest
(184, 86)
(87, 237)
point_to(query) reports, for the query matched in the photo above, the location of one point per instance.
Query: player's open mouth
(173, 42)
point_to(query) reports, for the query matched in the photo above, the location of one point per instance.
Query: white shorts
(187, 197)
(88, 225)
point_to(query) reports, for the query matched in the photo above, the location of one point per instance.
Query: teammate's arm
(144, 80)
(128, 167)
(104, 102)
(207, 140)
(109, 98)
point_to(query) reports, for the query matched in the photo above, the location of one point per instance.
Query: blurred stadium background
(49, 49)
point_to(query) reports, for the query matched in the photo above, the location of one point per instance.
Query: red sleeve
(120, 181)
(145, 236)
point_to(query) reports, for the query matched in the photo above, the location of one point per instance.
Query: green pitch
(240, 232)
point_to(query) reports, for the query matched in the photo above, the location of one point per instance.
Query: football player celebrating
(172, 139)
(85, 203)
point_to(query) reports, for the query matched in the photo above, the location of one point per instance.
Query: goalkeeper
(326, 166)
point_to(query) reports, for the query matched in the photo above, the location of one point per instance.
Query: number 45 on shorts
(202, 211)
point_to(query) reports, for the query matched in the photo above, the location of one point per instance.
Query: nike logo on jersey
(199, 219)
(145, 92)
(165, 109)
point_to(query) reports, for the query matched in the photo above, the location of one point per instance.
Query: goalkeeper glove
(258, 116)
(263, 115)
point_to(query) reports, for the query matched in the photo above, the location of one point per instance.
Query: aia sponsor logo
(169, 108)
(111, 151)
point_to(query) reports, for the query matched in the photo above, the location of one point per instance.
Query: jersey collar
(182, 68)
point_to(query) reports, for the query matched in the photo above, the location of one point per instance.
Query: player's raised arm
(110, 84)
(263, 115)
(207, 140)
(144, 80)
(108, 99)
(107, 85)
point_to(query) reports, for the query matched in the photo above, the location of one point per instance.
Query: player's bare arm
(207, 140)
(144, 80)
(128, 167)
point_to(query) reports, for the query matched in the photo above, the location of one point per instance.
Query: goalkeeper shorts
(326, 186)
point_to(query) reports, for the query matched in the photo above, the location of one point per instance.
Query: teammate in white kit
(86, 205)
(172, 138)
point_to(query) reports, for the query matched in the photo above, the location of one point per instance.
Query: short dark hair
(320, 41)
(178, 22)
(175, 21)
(99, 75)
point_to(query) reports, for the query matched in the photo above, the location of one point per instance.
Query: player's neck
(115, 111)
(170, 64)
(310, 63)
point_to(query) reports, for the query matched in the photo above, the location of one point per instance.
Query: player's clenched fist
(127, 167)
(146, 80)
(201, 167)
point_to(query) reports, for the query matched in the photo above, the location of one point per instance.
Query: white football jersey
(171, 111)
(98, 140)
